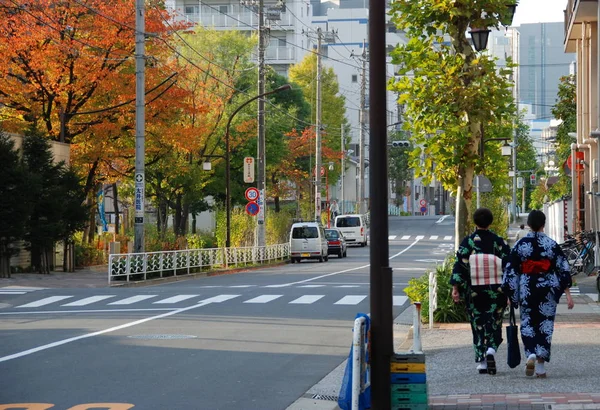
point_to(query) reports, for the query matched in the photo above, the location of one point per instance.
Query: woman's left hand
(570, 303)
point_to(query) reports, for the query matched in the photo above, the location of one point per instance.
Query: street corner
(313, 404)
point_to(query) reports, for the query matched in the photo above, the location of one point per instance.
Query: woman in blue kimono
(477, 276)
(536, 276)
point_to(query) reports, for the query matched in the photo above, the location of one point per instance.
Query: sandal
(540, 375)
(530, 367)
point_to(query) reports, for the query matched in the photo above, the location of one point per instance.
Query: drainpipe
(575, 181)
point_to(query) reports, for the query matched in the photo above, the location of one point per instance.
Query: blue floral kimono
(535, 277)
(485, 303)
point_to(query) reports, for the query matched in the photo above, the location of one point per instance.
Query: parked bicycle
(579, 250)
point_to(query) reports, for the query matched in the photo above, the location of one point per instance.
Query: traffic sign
(248, 170)
(422, 202)
(139, 177)
(252, 208)
(423, 209)
(252, 194)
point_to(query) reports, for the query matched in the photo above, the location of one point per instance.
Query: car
(336, 243)
(353, 227)
(307, 241)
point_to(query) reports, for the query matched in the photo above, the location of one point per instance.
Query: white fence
(142, 266)
(558, 214)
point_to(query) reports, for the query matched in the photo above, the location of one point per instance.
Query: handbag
(513, 358)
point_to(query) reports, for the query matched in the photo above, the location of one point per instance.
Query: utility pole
(514, 150)
(361, 137)
(261, 182)
(343, 145)
(318, 132)
(140, 129)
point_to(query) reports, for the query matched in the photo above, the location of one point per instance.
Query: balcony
(280, 54)
(577, 12)
(241, 20)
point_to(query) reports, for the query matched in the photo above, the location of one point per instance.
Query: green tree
(451, 93)
(15, 202)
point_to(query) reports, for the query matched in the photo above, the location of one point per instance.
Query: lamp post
(227, 159)
(506, 151)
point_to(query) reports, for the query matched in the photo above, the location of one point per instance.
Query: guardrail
(143, 266)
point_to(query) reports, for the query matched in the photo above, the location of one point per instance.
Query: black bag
(512, 341)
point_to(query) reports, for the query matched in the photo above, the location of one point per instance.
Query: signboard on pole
(139, 198)
(261, 207)
(249, 170)
(252, 208)
(251, 194)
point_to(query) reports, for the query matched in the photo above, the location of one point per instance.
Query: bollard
(417, 328)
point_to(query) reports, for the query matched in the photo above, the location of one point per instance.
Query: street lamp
(480, 37)
(227, 159)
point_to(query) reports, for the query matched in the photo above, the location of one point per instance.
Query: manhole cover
(165, 337)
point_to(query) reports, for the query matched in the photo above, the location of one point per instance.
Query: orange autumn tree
(296, 168)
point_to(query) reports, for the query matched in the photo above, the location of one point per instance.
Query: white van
(308, 241)
(353, 227)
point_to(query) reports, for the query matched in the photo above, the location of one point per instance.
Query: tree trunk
(4, 260)
(277, 205)
(194, 223)
(116, 207)
(90, 230)
(184, 218)
(177, 216)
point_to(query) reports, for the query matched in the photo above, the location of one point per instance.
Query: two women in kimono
(536, 274)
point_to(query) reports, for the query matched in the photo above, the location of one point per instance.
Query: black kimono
(485, 303)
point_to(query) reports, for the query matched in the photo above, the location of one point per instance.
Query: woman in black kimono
(535, 277)
(477, 275)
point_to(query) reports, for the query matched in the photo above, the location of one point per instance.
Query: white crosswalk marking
(88, 301)
(242, 286)
(575, 290)
(419, 237)
(391, 237)
(350, 300)
(174, 299)
(263, 299)
(306, 299)
(405, 237)
(400, 300)
(433, 237)
(312, 286)
(219, 298)
(447, 238)
(132, 299)
(12, 292)
(45, 301)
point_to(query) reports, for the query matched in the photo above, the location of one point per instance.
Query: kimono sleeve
(563, 269)
(460, 271)
(510, 279)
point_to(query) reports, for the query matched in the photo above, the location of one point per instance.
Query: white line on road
(242, 286)
(348, 286)
(391, 237)
(350, 300)
(433, 237)
(132, 299)
(405, 237)
(100, 332)
(35, 312)
(311, 286)
(13, 292)
(45, 301)
(441, 219)
(400, 300)
(174, 299)
(447, 238)
(263, 299)
(419, 237)
(90, 300)
(345, 270)
(306, 299)
(219, 298)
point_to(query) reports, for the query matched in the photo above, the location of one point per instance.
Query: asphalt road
(251, 340)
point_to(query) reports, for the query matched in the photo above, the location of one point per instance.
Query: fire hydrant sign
(248, 170)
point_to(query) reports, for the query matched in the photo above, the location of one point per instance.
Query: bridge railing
(129, 267)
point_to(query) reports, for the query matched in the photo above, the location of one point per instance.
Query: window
(305, 232)
(192, 9)
(224, 9)
(281, 42)
(354, 78)
(348, 222)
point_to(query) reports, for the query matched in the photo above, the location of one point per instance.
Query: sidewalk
(88, 277)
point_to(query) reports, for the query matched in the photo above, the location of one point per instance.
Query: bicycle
(580, 253)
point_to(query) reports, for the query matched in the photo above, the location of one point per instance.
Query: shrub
(87, 254)
(447, 311)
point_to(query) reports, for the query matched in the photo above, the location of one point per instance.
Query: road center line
(100, 332)
(343, 271)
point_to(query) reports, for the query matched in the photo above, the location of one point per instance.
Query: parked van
(353, 227)
(308, 241)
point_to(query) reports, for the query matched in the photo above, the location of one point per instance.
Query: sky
(539, 11)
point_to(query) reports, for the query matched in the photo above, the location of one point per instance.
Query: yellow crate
(407, 367)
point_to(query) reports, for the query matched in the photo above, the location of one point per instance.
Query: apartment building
(582, 37)
(285, 22)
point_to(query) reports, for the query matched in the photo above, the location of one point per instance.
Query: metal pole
(361, 138)
(262, 178)
(318, 133)
(382, 347)
(343, 145)
(140, 119)
(478, 191)
(514, 150)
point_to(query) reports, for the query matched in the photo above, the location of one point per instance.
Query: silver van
(353, 227)
(308, 241)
